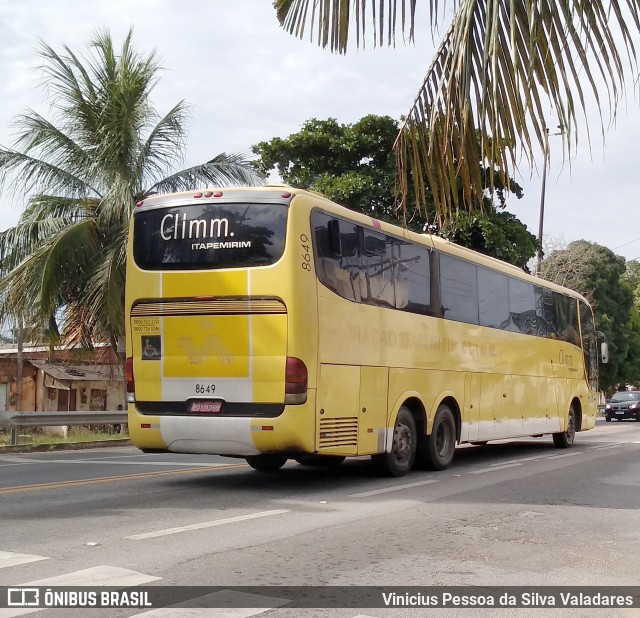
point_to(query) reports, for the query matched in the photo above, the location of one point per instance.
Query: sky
(247, 80)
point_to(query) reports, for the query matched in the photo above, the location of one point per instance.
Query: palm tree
(104, 149)
(500, 67)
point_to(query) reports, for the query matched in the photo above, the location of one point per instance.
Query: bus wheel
(403, 449)
(441, 443)
(320, 461)
(566, 438)
(266, 462)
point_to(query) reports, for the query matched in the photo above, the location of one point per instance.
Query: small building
(65, 379)
(61, 387)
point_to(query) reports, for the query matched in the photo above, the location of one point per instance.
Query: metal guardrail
(15, 420)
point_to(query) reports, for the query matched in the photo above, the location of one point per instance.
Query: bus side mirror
(604, 352)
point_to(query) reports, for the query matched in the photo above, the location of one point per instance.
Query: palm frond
(331, 21)
(98, 314)
(505, 68)
(163, 147)
(51, 276)
(223, 170)
(27, 174)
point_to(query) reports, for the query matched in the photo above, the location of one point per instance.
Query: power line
(627, 243)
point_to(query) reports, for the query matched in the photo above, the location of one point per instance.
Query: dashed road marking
(9, 559)
(384, 490)
(205, 524)
(494, 468)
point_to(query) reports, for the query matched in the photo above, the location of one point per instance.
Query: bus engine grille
(336, 432)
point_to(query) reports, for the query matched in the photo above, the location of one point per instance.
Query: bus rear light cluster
(296, 379)
(131, 383)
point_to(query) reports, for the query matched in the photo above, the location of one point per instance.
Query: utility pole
(542, 194)
(15, 430)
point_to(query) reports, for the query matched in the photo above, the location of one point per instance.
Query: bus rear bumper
(292, 432)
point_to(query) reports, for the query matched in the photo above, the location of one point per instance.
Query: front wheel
(565, 439)
(266, 462)
(403, 449)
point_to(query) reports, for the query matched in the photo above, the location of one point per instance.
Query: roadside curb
(62, 446)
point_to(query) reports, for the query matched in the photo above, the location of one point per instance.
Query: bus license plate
(205, 407)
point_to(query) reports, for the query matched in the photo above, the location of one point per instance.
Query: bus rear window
(209, 236)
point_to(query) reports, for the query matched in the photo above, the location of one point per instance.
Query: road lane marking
(206, 524)
(9, 559)
(375, 492)
(103, 575)
(607, 446)
(221, 604)
(111, 479)
(494, 468)
(563, 455)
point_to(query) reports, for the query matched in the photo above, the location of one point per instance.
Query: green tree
(353, 165)
(104, 148)
(598, 274)
(501, 67)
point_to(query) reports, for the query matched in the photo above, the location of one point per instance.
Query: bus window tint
(209, 236)
(337, 261)
(493, 294)
(545, 309)
(458, 289)
(413, 278)
(377, 285)
(567, 319)
(522, 308)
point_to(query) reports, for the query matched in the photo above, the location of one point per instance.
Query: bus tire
(441, 442)
(320, 461)
(266, 462)
(565, 439)
(403, 448)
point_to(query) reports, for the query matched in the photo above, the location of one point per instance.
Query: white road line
(9, 558)
(103, 575)
(604, 448)
(375, 492)
(222, 604)
(494, 468)
(563, 455)
(206, 524)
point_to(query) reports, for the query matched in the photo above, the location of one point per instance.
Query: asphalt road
(518, 513)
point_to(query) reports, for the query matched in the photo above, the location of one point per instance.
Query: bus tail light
(131, 383)
(295, 390)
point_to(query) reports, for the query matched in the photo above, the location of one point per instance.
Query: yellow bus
(272, 324)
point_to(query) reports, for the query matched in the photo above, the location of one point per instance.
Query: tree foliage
(499, 69)
(353, 165)
(104, 148)
(599, 275)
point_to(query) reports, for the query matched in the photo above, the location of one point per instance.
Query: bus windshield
(209, 236)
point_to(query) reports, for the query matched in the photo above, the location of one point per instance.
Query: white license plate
(619, 412)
